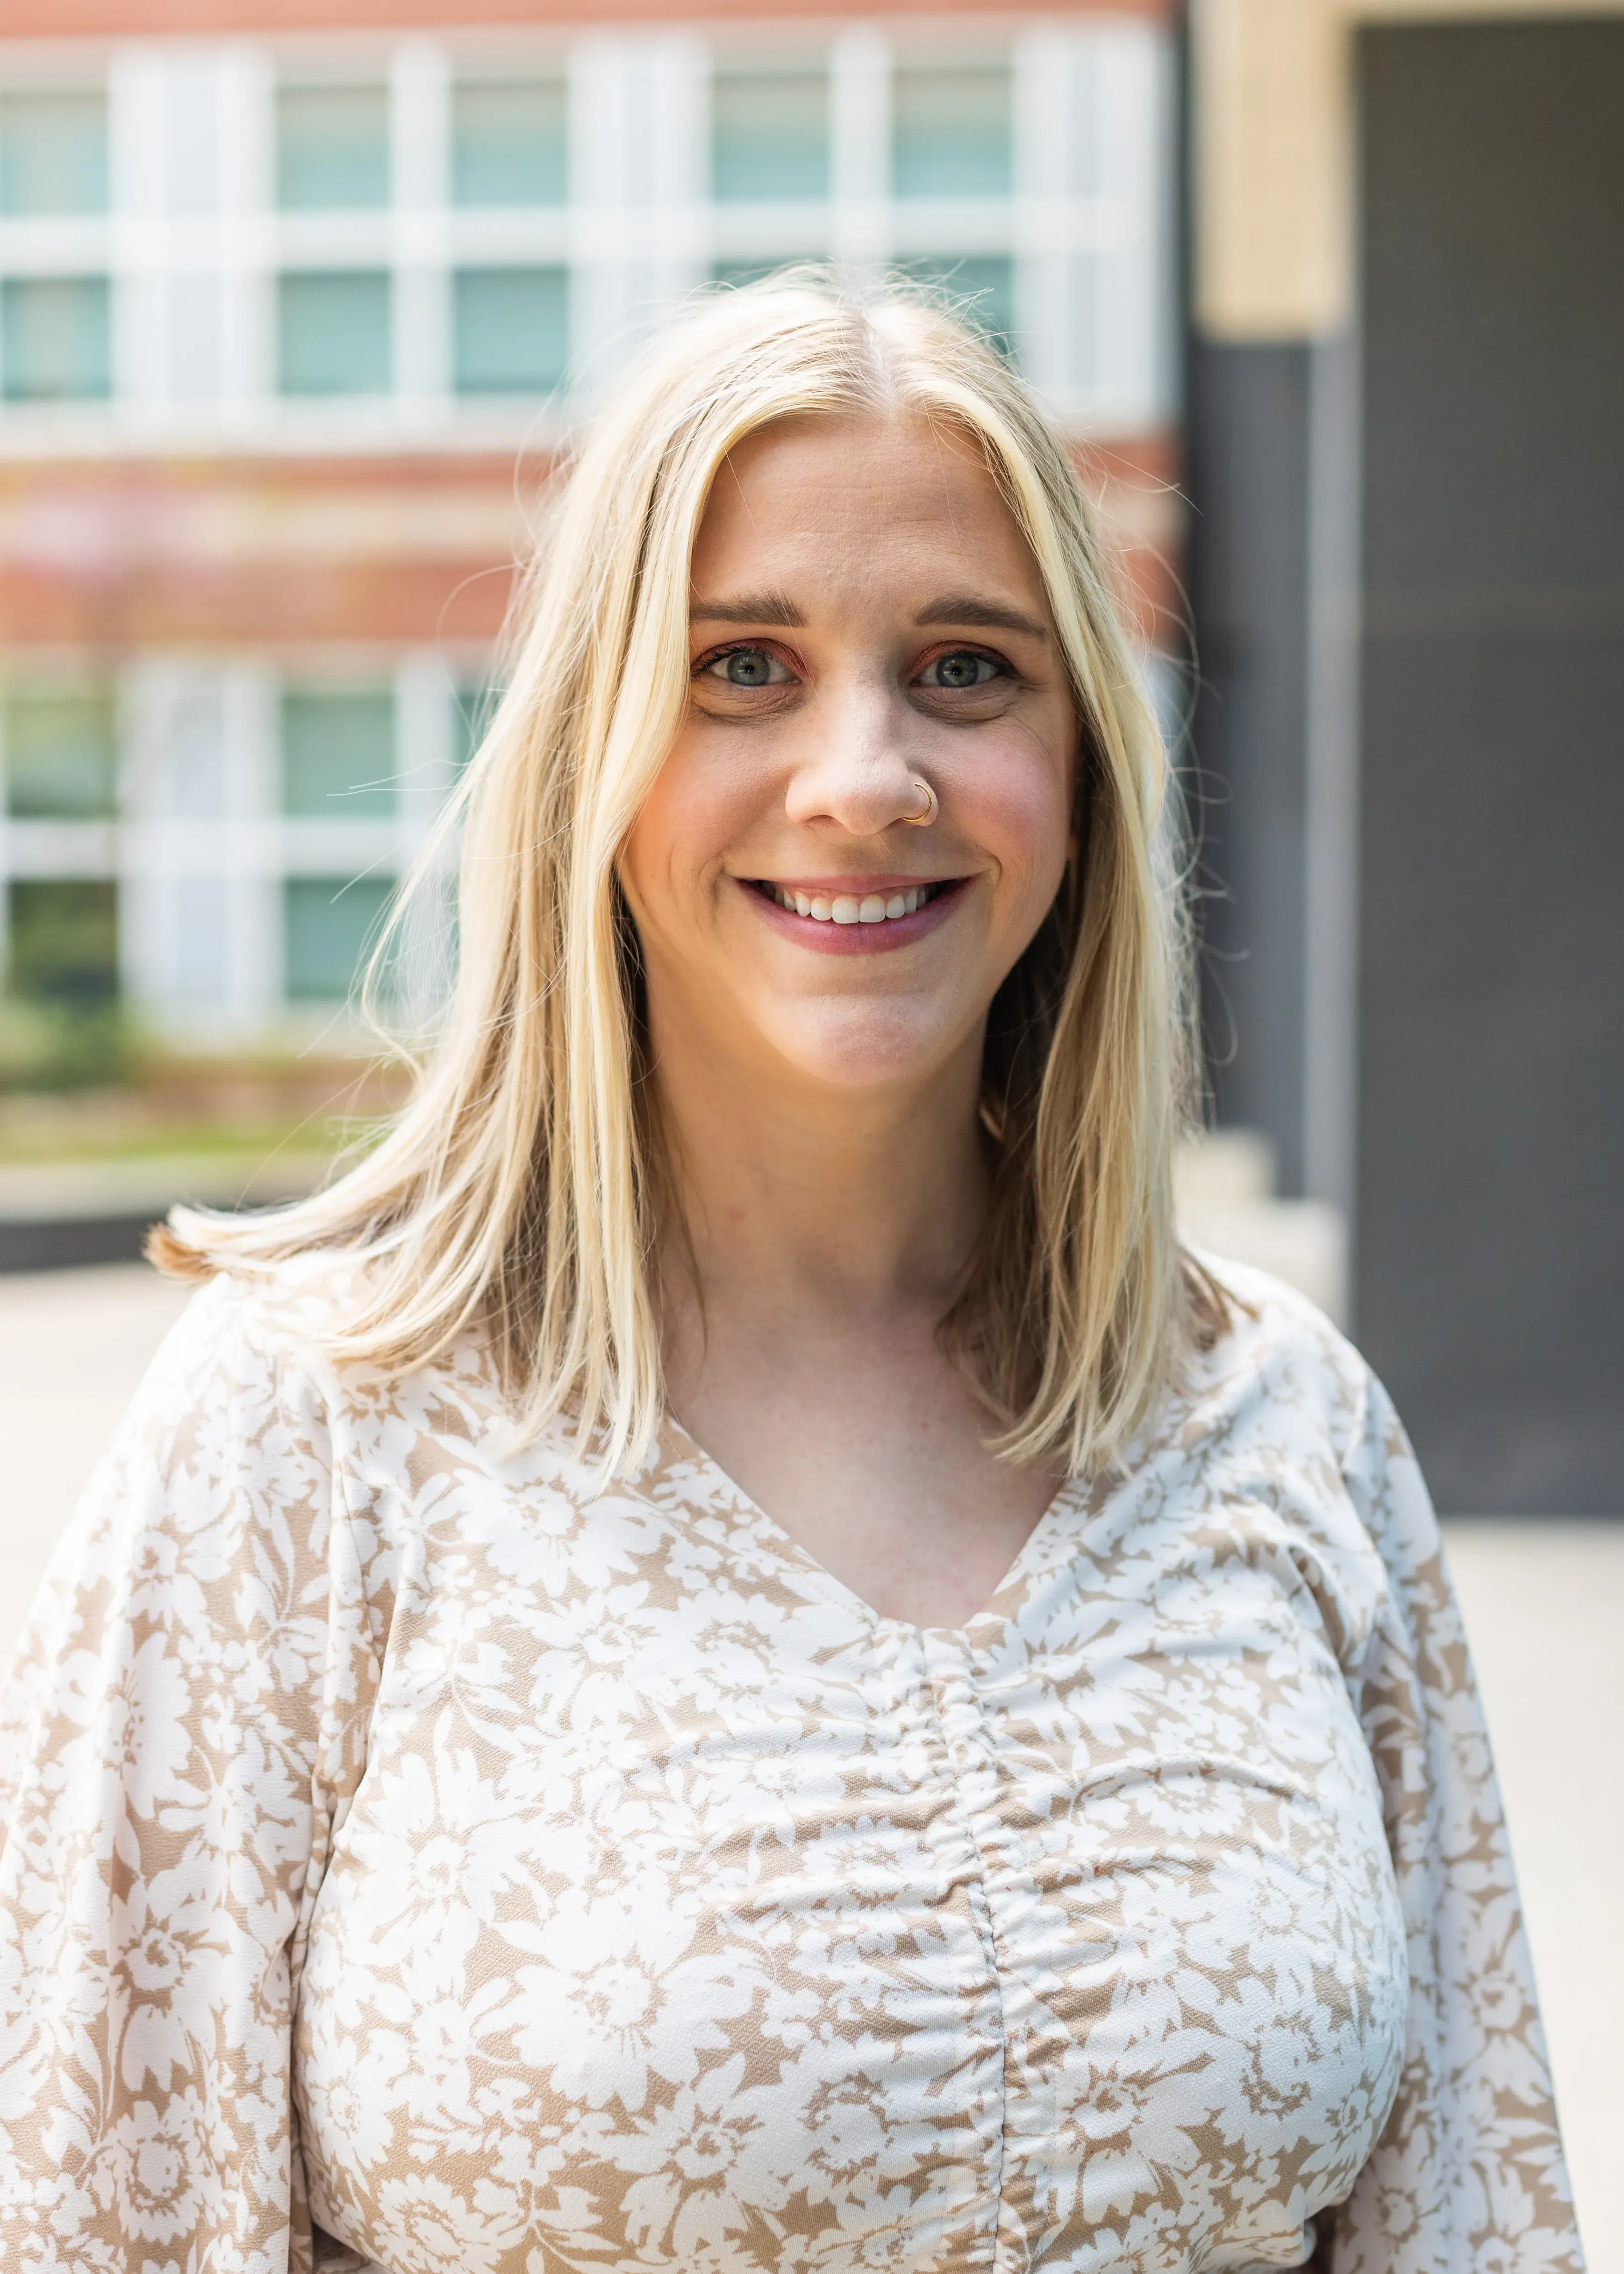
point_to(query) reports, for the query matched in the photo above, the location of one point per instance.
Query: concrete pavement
(1545, 1609)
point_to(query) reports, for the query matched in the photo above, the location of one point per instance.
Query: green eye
(959, 670)
(747, 667)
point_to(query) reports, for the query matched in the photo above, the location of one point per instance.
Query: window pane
(982, 286)
(55, 345)
(64, 940)
(61, 755)
(189, 770)
(769, 135)
(338, 752)
(512, 330)
(53, 152)
(476, 707)
(202, 915)
(329, 929)
(950, 133)
(332, 148)
(333, 332)
(510, 144)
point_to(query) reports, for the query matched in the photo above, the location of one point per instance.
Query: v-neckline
(790, 1550)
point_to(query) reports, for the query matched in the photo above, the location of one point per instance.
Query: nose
(859, 764)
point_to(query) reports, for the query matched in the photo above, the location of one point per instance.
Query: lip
(857, 938)
(859, 884)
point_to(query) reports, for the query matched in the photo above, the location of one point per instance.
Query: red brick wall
(114, 555)
(111, 556)
(57, 20)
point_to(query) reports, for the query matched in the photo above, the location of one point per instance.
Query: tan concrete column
(1273, 158)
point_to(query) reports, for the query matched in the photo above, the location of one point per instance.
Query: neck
(808, 1195)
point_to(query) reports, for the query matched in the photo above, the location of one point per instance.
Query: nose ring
(931, 808)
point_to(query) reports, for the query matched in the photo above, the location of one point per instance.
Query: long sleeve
(1468, 2176)
(180, 1732)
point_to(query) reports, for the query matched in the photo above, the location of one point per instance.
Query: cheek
(690, 816)
(1018, 806)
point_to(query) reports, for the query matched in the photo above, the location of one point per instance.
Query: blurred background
(299, 297)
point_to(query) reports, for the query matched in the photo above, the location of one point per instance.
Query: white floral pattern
(418, 1860)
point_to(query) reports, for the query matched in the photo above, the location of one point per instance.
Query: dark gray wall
(1490, 1215)
(1248, 479)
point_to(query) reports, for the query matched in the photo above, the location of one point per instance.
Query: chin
(863, 1048)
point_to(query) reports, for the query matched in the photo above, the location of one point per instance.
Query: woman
(457, 1829)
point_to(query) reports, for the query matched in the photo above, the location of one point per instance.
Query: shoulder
(1280, 1431)
(261, 1328)
(247, 1376)
(1279, 1365)
(268, 1359)
(211, 1506)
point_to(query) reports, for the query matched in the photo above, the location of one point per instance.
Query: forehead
(867, 494)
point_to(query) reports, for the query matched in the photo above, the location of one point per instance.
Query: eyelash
(1000, 665)
(703, 663)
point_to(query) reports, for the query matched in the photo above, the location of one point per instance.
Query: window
(55, 344)
(769, 135)
(61, 755)
(333, 332)
(980, 285)
(338, 753)
(950, 133)
(511, 330)
(202, 919)
(510, 143)
(476, 701)
(64, 940)
(332, 148)
(329, 928)
(190, 767)
(53, 152)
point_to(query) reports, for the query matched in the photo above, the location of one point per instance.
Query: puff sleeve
(1467, 2176)
(180, 1734)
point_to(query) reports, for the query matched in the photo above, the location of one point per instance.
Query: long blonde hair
(518, 1194)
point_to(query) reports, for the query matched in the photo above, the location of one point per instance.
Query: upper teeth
(846, 908)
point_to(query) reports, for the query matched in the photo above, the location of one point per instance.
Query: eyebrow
(748, 608)
(952, 608)
(989, 616)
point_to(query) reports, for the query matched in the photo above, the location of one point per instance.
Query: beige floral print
(420, 1860)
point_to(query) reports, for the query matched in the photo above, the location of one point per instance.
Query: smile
(849, 908)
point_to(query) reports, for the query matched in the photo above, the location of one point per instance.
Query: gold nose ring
(931, 808)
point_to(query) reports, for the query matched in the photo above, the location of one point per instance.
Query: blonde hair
(519, 1193)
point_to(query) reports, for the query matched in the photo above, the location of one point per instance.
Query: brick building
(296, 300)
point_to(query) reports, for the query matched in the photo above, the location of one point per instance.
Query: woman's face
(865, 616)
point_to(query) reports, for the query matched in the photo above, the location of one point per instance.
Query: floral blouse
(421, 1860)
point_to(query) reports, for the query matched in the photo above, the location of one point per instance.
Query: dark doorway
(1490, 1219)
